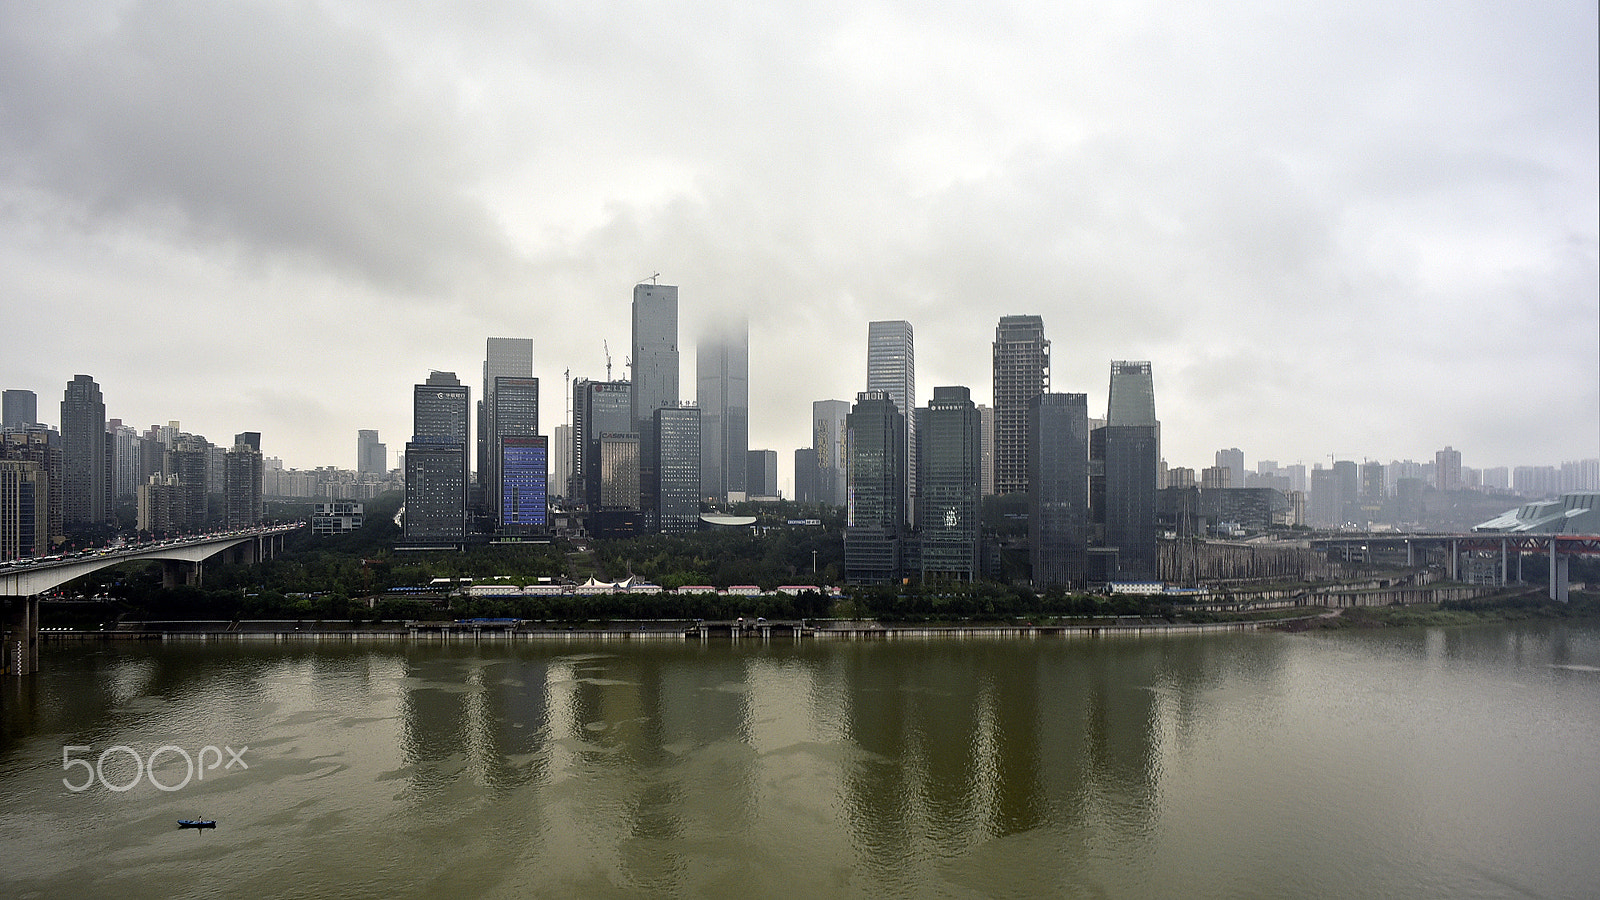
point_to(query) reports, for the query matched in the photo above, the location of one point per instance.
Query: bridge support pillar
(175, 572)
(19, 636)
(1558, 575)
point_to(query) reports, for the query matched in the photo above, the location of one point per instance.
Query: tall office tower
(372, 457)
(1327, 500)
(807, 484)
(1232, 459)
(722, 391)
(1058, 489)
(655, 352)
(561, 463)
(24, 509)
(874, 507)
(1122, 472)
(1021, 372)
(830, 442)
(655, 381)
(522, 463)
(513, 412)
(1373, 492)
(677, 466)
(761, 473)
(618, 471)
(21, 409)
(599, 408)
(125, 452)
(84, 488)
(1349, 490)
(892, 367)
(949, 485)
(502, 358)
(436, 460)
(986, 420)
(242, 477)
(1446, 469)
(40, 445)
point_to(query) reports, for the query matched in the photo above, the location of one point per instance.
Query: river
(1452, 763)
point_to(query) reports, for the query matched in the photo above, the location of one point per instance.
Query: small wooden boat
(197, 823)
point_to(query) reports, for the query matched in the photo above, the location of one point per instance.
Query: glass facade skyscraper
(875, 505)
(722, 391)
(1123, 457)
(1058, 489)
(437, 460)
(949, 485)
(892, 368)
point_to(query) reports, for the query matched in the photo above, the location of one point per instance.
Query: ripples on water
(1454, 763)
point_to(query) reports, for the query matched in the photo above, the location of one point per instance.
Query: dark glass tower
(1058, 489)
(875, 503)
(436, 461)
(949, 485)
(598, 408)
(1123, 456)
(86, 469)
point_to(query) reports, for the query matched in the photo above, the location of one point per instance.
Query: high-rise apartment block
(1447, 470)
(24, 509)
(722, 363)
(1021, 372)
(1058, 489)
(85, 488)
(892, 368)
(949, 485)
(875, 506)
(1232, 459)
(18, 409)
(242, 481)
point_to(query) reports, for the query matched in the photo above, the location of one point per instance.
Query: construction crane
(607, 347)
(566, 375)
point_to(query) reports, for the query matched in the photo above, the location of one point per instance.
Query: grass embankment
(1517, 607)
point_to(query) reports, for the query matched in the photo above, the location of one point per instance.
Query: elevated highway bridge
(183, 562)
(1468, 553)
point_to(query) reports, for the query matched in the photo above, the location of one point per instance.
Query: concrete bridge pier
(175, 572)
(1558, 575)
(19, 635)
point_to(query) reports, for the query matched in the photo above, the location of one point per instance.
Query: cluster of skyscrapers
(912, 480)
(635, 458)
(53, 481)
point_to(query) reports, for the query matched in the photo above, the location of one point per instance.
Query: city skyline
(1338, 232)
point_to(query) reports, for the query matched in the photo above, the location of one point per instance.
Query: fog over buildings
(1355, 231)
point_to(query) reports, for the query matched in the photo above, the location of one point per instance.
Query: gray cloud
(1367, 230)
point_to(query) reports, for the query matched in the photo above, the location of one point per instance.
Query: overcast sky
(1358, 229)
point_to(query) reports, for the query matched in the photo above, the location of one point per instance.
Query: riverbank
(1519, 607)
